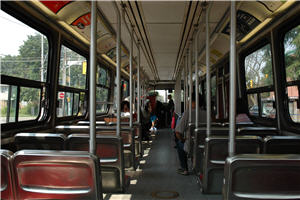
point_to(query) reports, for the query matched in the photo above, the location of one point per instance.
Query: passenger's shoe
(180, 170)
(184, 172)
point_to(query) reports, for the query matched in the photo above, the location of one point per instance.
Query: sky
(14, 36)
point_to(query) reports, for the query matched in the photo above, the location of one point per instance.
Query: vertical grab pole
(134, 98)
(190, 83)
(208, 90)
(232, 79)
(139, 85)
(92, 83)
(186, 80)
(118, 71)
(131, 80)
(196, 78)
(195, 159)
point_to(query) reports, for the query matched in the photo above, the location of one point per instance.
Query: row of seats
(110, 150)
(131, 150)
(137, 131)
(199, 136)
(262, 176)
(32, 174)
(216, 152)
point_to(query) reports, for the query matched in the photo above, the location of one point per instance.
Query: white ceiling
(164, 23)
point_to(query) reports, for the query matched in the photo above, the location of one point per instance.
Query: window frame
(34, 23)
(282, 31)
(258, 90)
(98, 85)
(73, 90)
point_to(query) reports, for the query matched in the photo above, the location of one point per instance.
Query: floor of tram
(156, 177)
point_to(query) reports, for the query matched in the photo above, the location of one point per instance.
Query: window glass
(292, 54)
(8, 96)
(72, 70)
(253, 105)
(102, 76)
(76, 104)
(125, 89)
(294, 103)
(268, 105)
(23, 49)
(108, 79)
(214, 95)
(101, 97)
(258, 68)
(65, 104)
(29, 105)
(81, 104)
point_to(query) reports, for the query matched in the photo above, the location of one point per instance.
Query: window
(72, 70)
(29, 105)
(253, 104)
(25, 51)
(125, 89)
(8, 103)
(259, 83)
(102, 76)
(214, 95)
(72, 73)
(267, 102)
(292, 69)
(101, 98)
(23, 64)
(258, 68)
(82, 107)
(102, 94)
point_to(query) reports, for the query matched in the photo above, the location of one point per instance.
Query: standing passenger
(170, 109)
(180, 130)
(145, 121)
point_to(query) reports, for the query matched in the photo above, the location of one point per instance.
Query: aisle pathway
(157, 173)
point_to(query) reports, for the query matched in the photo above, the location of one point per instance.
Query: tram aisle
(157, 174)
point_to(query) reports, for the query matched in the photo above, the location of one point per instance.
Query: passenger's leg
(182, 156)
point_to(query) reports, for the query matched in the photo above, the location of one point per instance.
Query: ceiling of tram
(164, 28)
(164, 23)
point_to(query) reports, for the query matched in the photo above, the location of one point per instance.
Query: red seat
(111, 155)
(56, 175)
(7, 189)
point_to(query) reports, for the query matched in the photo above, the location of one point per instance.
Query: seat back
(264, 176)
(282, 145)
(40, 141)
(189, 136)
(216, 152)
(110, 153)
(7, 186)
(258, 131)
(199, 141)
(44, 174)
(127, 134)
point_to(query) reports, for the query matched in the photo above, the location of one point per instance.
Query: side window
(72, 83)
(214, 95)
(24, 65)
(102, 90)
(125, 89)
(72, 69)
(292, 69)
(259, 83)
(258, 68)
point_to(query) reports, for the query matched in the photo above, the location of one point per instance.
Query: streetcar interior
(81, 81)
